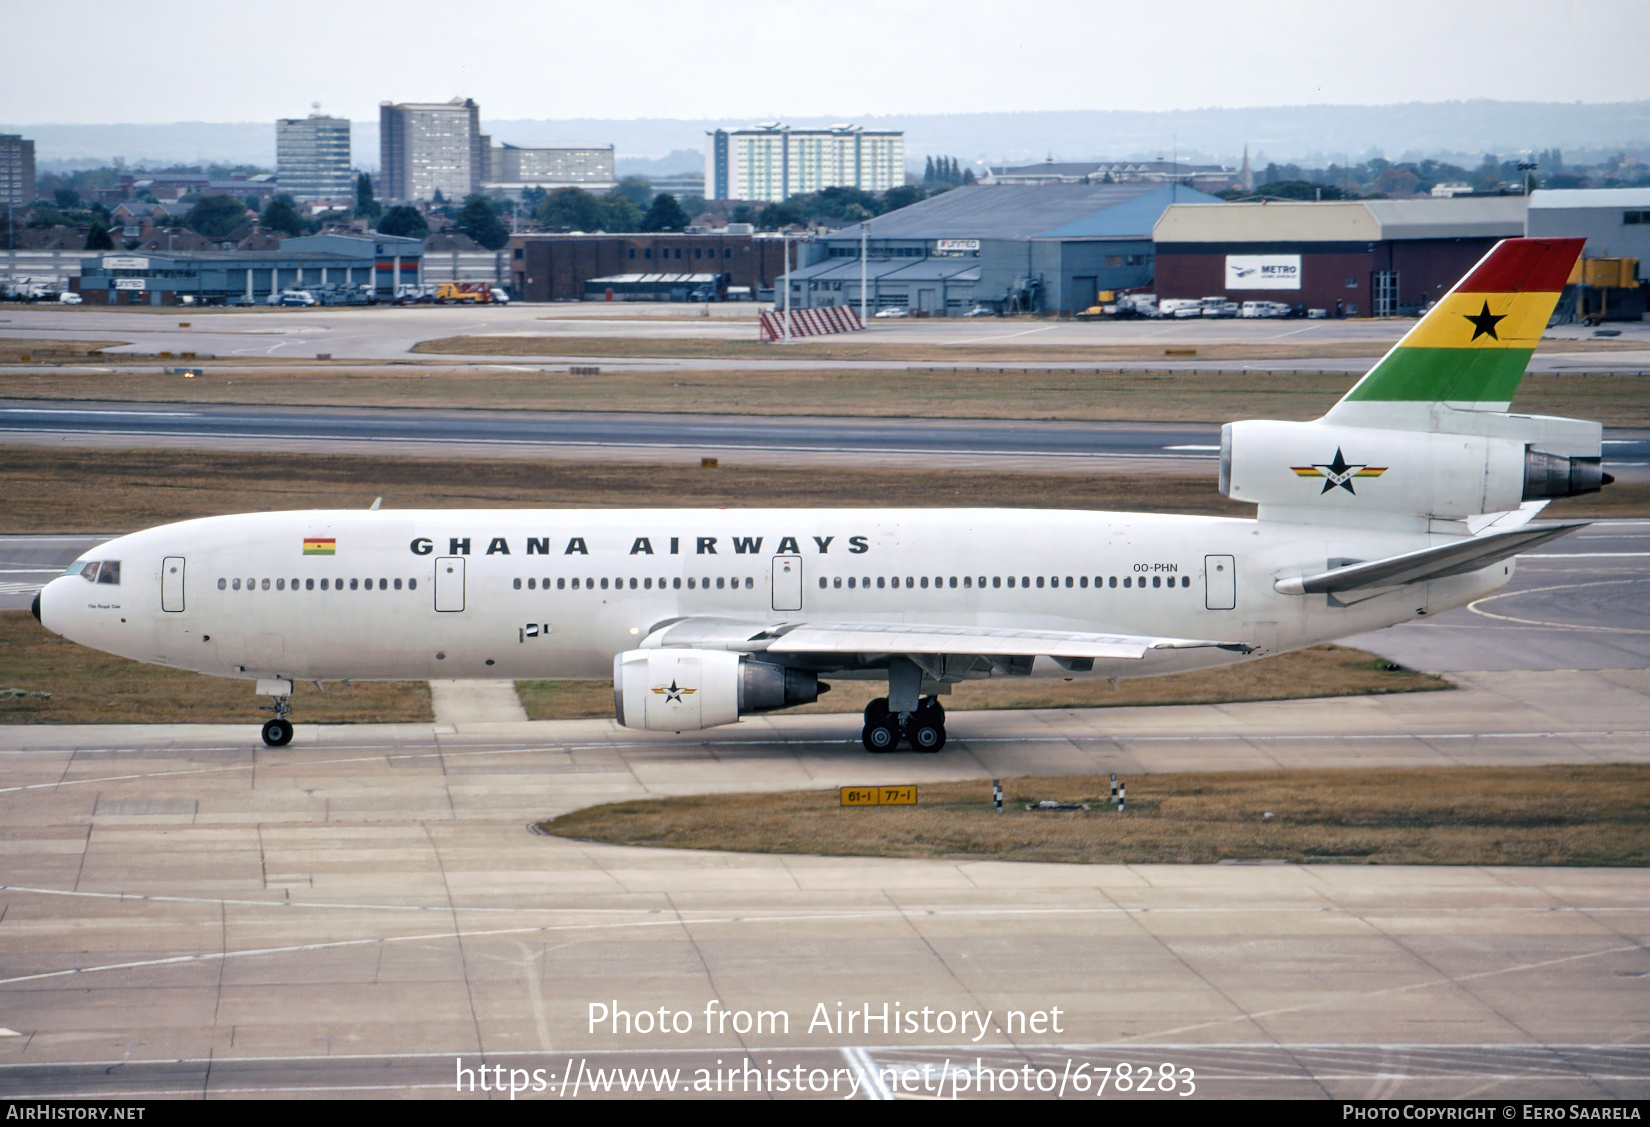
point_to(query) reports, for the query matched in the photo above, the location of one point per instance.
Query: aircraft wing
(1438, 562)
(982, 641)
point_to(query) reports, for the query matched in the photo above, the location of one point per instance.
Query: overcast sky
(745, 60)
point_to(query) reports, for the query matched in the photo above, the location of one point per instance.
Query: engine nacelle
(1325, 468)
(683, 690)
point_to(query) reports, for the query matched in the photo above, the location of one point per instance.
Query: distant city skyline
(874, 58)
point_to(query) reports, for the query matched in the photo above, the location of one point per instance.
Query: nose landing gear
(277, 731)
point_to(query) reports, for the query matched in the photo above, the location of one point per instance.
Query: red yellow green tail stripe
(1471, 349)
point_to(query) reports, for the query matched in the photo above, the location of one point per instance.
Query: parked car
(68, 298)
(294, 297)
(981, 311)
(893, 311)
(241, 301)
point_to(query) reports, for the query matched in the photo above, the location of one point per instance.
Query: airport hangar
(1381, 258)
(556, 267)
(128, 278)
(1010, 248)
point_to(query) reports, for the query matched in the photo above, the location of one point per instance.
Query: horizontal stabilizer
(924, 638)
(1439, 562)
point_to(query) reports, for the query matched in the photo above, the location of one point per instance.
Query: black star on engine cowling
(1339, 472)
(1483, 323)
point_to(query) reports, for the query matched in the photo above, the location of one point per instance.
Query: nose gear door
(171, 584)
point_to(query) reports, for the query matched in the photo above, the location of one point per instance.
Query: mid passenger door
(787, 583)
(449, 583)
(171, 584)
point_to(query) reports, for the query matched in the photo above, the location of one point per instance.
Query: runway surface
(380, 428)
(389, 333)
(187, 913)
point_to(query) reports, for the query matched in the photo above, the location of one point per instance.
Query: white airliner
(1409, 497)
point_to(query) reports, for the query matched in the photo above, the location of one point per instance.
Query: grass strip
(981, 392)
(1557, 815)
(64, 683)
(1321, 671)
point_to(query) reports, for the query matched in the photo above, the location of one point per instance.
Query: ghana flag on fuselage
(1471, 349)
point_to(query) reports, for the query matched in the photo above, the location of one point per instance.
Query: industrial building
(1611, 285)
(1205, 177)
(557, 267)
(1354, 258)
(312, 158)
(1044, 248)
(381, 261)
(430, 147)
(513, 169)
(772, 162)
(16, 170)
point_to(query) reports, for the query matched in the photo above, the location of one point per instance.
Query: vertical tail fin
(1470, 351)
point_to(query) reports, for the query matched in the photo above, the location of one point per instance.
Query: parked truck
(460, 293)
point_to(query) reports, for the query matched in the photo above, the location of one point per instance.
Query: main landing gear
(923, 729)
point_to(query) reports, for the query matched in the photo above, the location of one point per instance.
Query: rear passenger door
(1219, 582)
(171, 584)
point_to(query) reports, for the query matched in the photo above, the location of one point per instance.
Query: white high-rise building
(429, 147)
(312, 157)
(771, 161)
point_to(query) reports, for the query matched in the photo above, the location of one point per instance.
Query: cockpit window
(96, 571)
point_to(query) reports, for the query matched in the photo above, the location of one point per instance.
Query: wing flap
(1438, 562)
(927, 638)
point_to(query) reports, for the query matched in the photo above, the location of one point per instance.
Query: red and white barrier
(810, 323)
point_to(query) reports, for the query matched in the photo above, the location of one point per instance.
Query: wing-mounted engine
(1472, 463)
(683, 690)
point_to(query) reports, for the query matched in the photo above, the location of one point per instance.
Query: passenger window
(1112, 582)
(309, 584)
(383, 584)
(1068, 581)
(1039, 582)
(1025, 581)
(997, 580)
(575, 583)
(412, 584)
(1011, 581)
(1185, 581)
(516, 584)
(647, 584)
(237, 585)
(1157, 581)
(1083, 582)
(675, 584)
(355, 584)
(561, 583)
(719, 583)
(398, 584)
(879, 582)
(822, 583)
(633, 584)
(545, 583)
(604, 583)
(953, 581)
(909, 582)
(531, 583)
(265, 582)
(968, 581)
(925, 583)
(1127, 582)
(750, 584)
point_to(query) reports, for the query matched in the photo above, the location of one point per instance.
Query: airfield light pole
(785, 240)
(864, 242)
(1527, 167)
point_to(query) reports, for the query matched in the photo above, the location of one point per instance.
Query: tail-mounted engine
(1492, 464)
(681, 690)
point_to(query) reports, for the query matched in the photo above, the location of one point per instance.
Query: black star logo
(1484, 323)
(674, 693)
(1339, 472)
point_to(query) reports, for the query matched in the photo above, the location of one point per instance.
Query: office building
(430, 147)
(312, 157)
(16, 170)
(772, 161)
(513, 169)
(561, 267)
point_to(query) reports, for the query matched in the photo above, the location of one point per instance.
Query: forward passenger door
(787, 583)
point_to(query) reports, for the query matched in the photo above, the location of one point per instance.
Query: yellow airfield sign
(880, 796)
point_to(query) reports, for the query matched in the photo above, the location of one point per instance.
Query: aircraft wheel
(876, 711)
(931, 708)
(880, 737)
(278, 732)
(925, 733)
